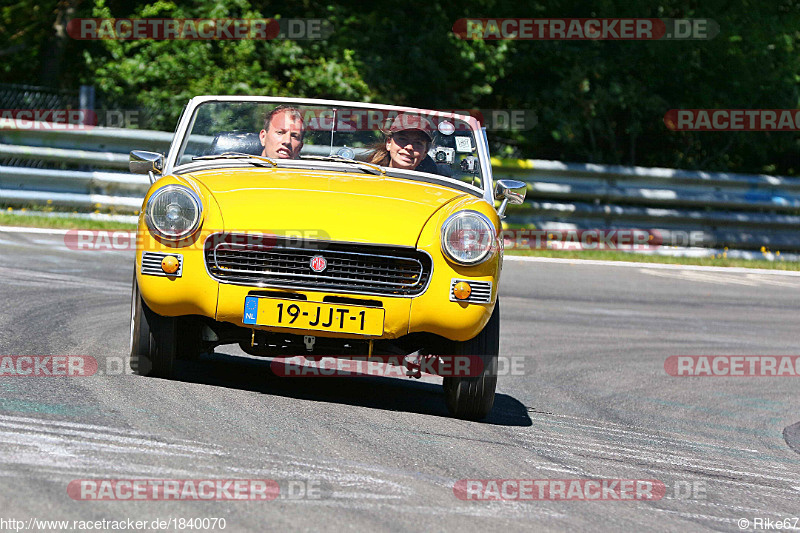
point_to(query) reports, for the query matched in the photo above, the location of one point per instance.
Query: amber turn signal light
(462, 290)
(170, 264)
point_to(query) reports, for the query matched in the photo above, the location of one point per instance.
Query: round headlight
(468, 237)
(173, 212)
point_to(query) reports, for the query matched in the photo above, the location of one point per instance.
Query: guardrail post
(86, 103)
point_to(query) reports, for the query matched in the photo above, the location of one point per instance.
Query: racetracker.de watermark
(68, 119)
(559, 489)
(576, 239)
(396, 366)
(732, 119)
(202, 29)
(173, 489)
(351, 120)
(36, 366)
(73, 366)
(733, 365)
(585, 29)
(108, 240)
(47, 119)
(198, 489)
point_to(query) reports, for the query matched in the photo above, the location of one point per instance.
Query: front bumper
(194, 292)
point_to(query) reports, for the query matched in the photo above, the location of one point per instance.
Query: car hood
(327, 205)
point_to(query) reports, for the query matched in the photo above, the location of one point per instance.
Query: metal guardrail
(687, 208)
(710, 209)
(104, 148)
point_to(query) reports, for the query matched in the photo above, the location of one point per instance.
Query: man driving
(282, 136)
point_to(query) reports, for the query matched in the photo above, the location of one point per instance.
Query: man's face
(407, 149)
(283, 138)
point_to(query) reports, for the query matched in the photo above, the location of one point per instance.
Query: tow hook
(309, 341)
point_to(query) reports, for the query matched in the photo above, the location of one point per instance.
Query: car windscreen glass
(342, 132)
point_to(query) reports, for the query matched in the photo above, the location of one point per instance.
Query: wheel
(153, 339)
(472, 398)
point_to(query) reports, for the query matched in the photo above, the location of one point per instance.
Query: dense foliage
(596, 101)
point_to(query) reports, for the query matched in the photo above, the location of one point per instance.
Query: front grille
(269, 261)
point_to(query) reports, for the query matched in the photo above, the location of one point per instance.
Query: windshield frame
(186, 123)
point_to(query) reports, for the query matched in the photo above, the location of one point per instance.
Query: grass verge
(65, 222)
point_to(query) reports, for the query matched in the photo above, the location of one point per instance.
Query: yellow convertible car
(323, 229)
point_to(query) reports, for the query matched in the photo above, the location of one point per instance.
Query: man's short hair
(293, 112)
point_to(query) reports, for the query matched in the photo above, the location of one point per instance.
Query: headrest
(236, 141)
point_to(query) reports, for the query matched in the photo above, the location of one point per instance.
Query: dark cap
(410, 121)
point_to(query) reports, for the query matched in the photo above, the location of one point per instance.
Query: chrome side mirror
(510, 192)
(142, 162)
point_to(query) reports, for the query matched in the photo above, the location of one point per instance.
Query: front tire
(472, 398)
(153, 339)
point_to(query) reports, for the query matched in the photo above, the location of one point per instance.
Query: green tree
(597, 101)
(162, 75)
(604, 101)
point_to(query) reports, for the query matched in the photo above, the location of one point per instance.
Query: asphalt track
(589, 398)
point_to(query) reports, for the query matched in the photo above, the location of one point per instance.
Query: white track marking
(42, 231)
(665, 266)
(704, 277)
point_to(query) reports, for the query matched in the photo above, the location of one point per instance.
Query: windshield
(397, 143)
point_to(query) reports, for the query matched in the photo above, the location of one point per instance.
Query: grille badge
(318, 263)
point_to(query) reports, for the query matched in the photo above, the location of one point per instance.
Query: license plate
(298, 314)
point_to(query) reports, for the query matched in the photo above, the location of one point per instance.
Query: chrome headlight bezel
(180, 189)
(490, 248)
